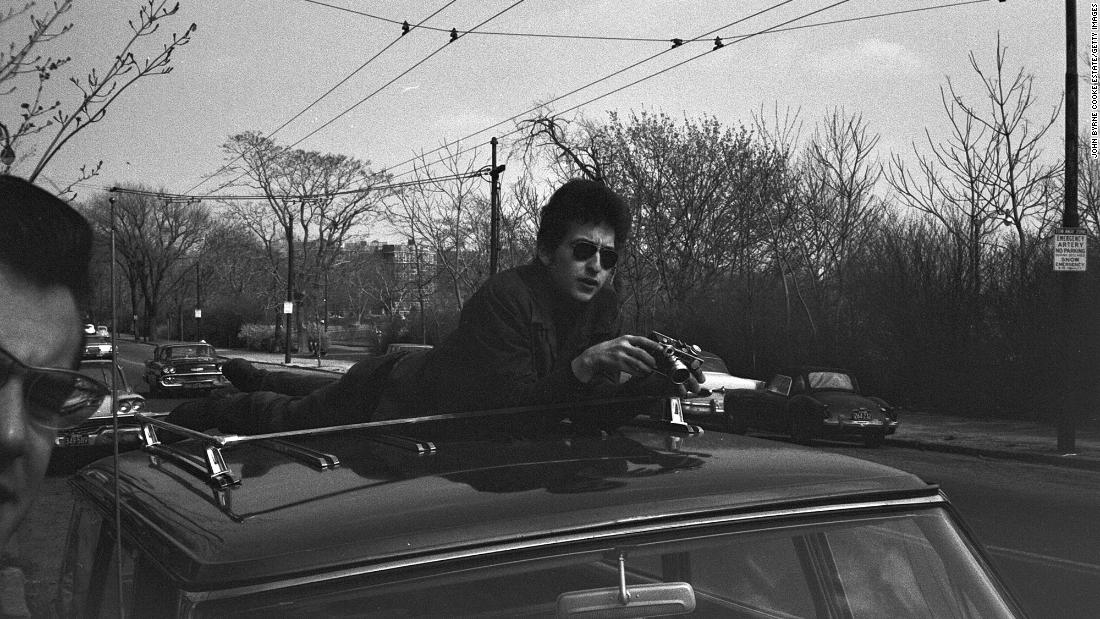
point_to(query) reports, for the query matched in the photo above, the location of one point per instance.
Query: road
(1040, 524)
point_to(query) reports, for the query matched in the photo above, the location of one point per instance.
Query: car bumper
(187, 383)
(845, 427)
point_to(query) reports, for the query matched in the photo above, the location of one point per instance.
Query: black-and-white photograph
(341, 308)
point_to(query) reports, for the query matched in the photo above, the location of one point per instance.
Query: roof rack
(663, 413)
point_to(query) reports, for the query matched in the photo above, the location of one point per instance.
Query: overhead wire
(403, 73)
(384, 86)
(616, 38)
(190, 199)
(326, 93)
(735, 39)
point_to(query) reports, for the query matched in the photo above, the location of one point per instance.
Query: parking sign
(1070, 249)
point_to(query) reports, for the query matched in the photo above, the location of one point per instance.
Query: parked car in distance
(183, 369)
(98, 430)
(103, 330)
(810, 402)
(460, 516)
(406, 346)
(718, 381)
(97, 347)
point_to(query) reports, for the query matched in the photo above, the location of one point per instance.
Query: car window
(98, 371)
(904, 565)
(831, 380)
(780, 385)
(97, 339)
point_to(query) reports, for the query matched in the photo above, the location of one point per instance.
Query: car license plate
(74, 440)
(861, 416)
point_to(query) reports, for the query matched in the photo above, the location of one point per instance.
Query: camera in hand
(680, 359)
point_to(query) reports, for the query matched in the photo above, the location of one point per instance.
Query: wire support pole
(494, 212)
(1071, 281)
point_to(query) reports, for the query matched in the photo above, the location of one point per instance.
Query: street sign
(1070, 249)
(198, 313)
(288, 307)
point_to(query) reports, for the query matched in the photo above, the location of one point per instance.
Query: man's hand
(633, 354)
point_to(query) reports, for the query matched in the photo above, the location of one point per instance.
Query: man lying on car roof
(540, 333)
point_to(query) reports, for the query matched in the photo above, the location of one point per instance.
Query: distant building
(410, 268)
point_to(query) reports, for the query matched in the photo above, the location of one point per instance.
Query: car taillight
(169, 370)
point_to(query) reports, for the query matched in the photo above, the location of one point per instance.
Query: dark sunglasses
(583, 250)
(56, 399)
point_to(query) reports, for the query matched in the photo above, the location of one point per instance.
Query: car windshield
(900, 565)
(97, 339)
(831, 380)
(188, 352)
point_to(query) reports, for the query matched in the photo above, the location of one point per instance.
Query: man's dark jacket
(514, 345)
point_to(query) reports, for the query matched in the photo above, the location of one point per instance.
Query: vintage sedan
(717, 381)
(809, 402)
(99, 429)
(461, 516)
(97, 347)
(183, 369)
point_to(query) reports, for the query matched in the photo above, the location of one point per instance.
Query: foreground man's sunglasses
(55, 398)
(583, 250)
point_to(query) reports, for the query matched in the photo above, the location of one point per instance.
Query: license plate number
(861, 416)
(78, 440)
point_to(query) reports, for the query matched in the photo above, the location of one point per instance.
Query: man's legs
(351, 398)
(247, 377)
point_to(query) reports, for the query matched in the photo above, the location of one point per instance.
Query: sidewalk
(996, 438)
(990, 438)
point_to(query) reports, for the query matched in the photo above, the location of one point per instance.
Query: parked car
(718, 380)
(810, 402)
(458, 516)
(98, 430)
(97, 347)
(103, 330)
(183, 369)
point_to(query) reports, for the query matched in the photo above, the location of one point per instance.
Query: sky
(256, 64)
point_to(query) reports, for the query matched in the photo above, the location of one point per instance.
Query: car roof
(388, 501)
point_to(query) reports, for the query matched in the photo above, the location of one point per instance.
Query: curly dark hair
(42, 239)
(582, 201)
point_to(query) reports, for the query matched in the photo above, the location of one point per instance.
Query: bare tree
(26, 71)
(1021, 181)
(449, 215)
(155, 240)
(312, 201)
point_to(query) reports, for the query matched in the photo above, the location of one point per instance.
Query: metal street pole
(289, 283)
(494, 210)
(1071, 280)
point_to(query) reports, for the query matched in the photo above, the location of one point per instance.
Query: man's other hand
(633, 354)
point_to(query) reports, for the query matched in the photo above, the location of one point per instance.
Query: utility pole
(198, 298)
(1070, 280)
(288, 307)
(494, 210)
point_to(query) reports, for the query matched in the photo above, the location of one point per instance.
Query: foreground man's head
(45, 249)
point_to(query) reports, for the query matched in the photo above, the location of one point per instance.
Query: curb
(1068, 461)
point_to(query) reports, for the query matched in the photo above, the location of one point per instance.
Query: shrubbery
(260, 337)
